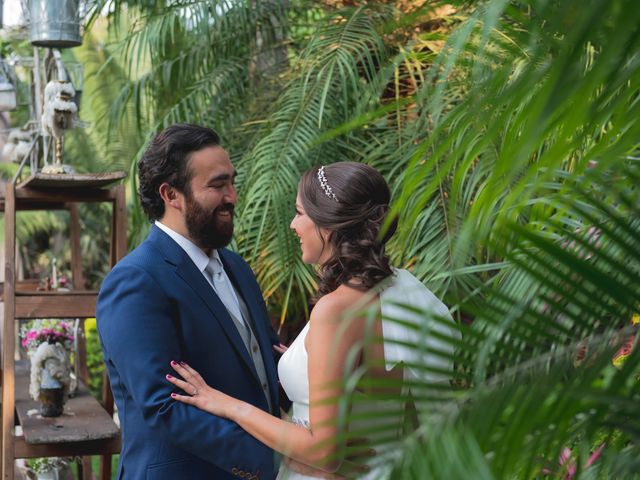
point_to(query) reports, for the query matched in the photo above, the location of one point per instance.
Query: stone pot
(51, 391)
(51, 401)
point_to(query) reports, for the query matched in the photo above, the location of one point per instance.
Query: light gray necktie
(227, 295)
(224, 289)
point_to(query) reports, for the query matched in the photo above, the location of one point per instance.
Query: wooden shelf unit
(90, 429)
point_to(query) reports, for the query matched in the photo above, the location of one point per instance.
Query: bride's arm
(328, 345)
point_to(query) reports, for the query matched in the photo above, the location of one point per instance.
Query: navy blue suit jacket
(156, 306)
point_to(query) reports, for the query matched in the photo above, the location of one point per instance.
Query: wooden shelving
(85, 423)
(73, 180)
(86, 427)
(76, 304)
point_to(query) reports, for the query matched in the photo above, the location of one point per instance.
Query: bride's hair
(351, 201)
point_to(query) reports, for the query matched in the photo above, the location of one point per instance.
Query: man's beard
(204, 227)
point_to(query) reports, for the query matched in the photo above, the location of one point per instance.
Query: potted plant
(48, 343)
(50, 468)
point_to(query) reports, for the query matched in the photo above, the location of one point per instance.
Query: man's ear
(171, 197)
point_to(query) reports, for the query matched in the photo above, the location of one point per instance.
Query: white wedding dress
(402, 291)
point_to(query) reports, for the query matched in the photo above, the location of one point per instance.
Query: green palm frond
(329, 73)
(188, 59)
(508, 133)
(520, 424)
(537, 360)
(500, 189)
(523, 117)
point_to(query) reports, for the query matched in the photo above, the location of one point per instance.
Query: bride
(340, 211)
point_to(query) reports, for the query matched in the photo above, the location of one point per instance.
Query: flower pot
(61, 473)
(50, 475)
(51, 401)
(49, 468)
(50, 378)
(55, 23)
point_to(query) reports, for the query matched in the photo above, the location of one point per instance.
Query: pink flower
(51, 333)
(567, 461)
(595, 455)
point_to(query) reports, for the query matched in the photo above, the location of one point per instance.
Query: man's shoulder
(145, 253)
(146, 257)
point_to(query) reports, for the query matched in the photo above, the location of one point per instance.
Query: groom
(182, 296)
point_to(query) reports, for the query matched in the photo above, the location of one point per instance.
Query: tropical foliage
(509, 132)
(272, 108)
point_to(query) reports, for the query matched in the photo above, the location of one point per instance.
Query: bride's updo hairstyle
(351, 201)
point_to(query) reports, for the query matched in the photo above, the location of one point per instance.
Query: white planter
(63, 473)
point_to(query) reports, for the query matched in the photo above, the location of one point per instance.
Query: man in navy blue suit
(181, 296)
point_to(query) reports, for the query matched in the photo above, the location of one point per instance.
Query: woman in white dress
(340, 211)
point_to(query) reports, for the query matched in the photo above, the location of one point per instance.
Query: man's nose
(231, 195)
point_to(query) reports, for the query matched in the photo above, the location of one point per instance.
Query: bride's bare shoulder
(339, 303)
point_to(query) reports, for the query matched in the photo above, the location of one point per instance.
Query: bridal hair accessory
(325, 185)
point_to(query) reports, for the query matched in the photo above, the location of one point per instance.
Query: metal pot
(55, 23)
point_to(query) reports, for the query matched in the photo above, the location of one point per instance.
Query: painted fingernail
(169, 377)
(173, 362)
(173, 395)
(184, 364)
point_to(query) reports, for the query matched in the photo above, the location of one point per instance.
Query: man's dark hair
(166, 160)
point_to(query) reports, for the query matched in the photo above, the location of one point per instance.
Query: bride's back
(362, 328)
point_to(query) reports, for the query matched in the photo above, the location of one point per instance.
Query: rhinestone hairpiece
(325, 185)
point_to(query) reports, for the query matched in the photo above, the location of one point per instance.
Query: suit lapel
(186, 269)
(243, 284)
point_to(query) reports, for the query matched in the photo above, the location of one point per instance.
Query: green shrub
(95, 364)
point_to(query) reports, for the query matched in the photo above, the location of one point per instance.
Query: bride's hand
(198, 393)
(352, 466)
(309, 471)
